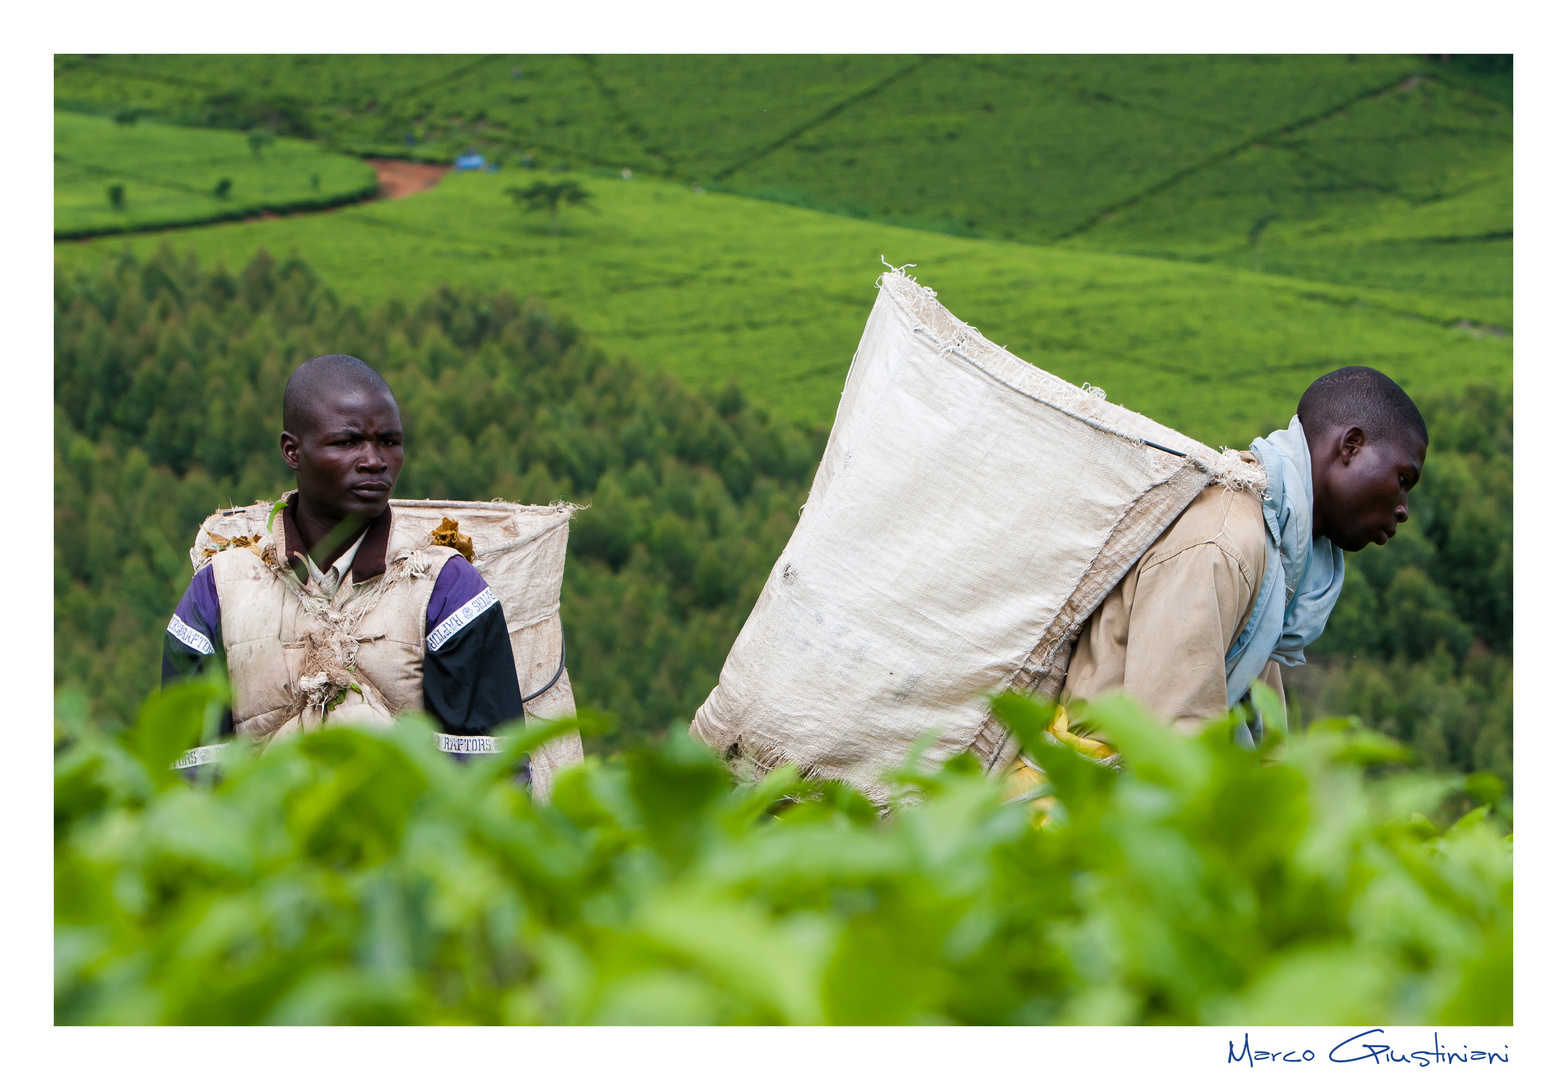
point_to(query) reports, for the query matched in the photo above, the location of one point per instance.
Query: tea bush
(361, 877)
(170, 175)
(1383, 172)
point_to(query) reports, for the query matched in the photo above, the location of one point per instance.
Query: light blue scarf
(1302, 576)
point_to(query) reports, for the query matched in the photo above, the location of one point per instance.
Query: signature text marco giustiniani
(1370, 1047)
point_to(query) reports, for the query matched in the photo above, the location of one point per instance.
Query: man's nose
(372, 460)
(1401, 513)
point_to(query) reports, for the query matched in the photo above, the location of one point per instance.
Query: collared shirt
(329, 579)
(367, 559)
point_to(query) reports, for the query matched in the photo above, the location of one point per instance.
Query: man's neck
(315, 527)
(1319, 479)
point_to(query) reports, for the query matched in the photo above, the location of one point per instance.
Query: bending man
(1238, 585)
(340, 615)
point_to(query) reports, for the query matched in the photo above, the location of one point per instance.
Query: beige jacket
(1162, 633)
(298, 657)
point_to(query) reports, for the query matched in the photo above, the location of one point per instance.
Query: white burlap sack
(969, 513)
(521, 551)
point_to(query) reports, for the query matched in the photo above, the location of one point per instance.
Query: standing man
(339, 615)
(1238, 585)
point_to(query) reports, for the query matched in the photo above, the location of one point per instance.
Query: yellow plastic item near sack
(1081, 743)
(1021, 778)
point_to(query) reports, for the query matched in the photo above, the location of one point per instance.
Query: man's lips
(371, 487)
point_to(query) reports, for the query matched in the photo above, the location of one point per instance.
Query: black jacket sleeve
(470, 682)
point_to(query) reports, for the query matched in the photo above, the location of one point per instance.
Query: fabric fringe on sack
(520, 550)
(969, 513)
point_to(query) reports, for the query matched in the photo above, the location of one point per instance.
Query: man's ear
(289, 444)
(1350, 443)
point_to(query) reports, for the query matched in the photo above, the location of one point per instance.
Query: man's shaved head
(312, 380)
(343, 437)
(1368, 447)
(1361, 397)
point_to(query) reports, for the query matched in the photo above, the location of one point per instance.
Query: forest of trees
(168, 384)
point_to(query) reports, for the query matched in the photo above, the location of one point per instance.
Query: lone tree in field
(543, 195)
(117, 196)
(259, 139)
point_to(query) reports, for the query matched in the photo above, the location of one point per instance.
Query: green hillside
(1384, 171)
(1409, 189)
(170, 175)
(711, 285)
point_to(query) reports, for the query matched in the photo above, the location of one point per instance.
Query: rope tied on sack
(328, 671)
(559, 671)
(332, 645)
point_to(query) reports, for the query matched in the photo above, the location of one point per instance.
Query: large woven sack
(521, 551)
(969, 513)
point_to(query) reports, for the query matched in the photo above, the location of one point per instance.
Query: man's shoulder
(457, 573)
(457, 586)
(236, 560)
(1223, 521)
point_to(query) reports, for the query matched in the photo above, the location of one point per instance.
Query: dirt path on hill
(399, 179)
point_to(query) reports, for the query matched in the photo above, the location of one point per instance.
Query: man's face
(349, 454)
(1364, 494)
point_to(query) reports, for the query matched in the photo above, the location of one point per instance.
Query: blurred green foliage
(168, 386)
(179, 176)
(361, 877)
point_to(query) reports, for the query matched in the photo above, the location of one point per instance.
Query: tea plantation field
(1199, 236)
(166, 175)
(709, 286)
(1386, 171)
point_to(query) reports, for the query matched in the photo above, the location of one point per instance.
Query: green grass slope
(1032, 148)
(1292, 164)
(1408, 189)
(709, 286)
(169, 175)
